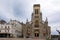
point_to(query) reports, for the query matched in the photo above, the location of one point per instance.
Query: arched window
(36, 33)
(36, 23)
(8, 27)
(44, 34)
(36, 11)
(36, 16)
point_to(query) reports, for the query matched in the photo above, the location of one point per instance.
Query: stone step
(19, 39)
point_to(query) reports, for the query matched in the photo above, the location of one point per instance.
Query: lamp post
(59, 34)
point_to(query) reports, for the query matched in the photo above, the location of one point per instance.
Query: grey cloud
(54, 32)
(3, 18)
(23, 8)
(55, 18)
(56, 2)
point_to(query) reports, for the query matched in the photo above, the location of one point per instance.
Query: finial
(36, 5)
(27, 20)
(46, 20)
(10, 19)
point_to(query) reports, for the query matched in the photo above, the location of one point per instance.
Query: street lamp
(59, 34)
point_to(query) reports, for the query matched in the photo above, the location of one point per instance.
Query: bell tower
(36, 20)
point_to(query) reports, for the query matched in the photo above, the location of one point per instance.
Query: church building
(36, 28)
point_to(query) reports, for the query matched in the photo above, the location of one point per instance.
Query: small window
(6, 30)
(43, 34)
(36, 21)
(36, 11)
(36, 25)
(2, 30)
(36, 16)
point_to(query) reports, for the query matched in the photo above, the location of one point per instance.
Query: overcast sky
(22, 9)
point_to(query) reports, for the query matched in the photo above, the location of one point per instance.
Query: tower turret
(27, 21)
(36, 20)
(46, 21)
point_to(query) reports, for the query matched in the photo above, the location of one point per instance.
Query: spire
(27, 21)
(46, 20)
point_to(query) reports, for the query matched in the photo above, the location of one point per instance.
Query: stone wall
(19, 39)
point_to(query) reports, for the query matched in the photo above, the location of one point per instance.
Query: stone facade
(17, 28)
(33, 30)
(36, 28)
(19, 39)
(12, 29)
(6, 30)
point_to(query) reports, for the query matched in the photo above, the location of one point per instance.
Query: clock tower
(36, 20)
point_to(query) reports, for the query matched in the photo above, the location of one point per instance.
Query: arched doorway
(36, 33)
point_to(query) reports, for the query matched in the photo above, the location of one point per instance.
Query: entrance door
(36, 33)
